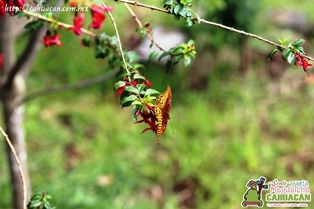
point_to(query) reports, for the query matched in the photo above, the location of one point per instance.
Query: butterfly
(162, 109)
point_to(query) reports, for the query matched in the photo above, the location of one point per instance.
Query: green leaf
(168, 65)
(138, 76)
(176, 17)
(272, 53)
(184, 13)
(131, 89)
(135, 112)
(101, 52)
(299, 42)
(138, 66)
(288, 56)
(86, 41)
(189, 23)
(141, 88)
(151, 91)
(286, 53)
(34, 24)
(119, 84)
(177, 9)
(300, 49)
(187, 61)
(177, 51)
(127, 101)
(177, 59)
(152, 56)
(291, 58)
(163, 55)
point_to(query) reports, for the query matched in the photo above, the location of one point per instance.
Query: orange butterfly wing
(162, 109)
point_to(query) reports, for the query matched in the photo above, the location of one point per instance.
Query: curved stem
(18, 164)
(119, 42)
(148, 34)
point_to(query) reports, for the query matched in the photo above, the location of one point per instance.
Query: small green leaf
(119, 84)
(151, 91)
(299, 42)
(272, 53)
(135, 112)
(131, 89)
(86, 41)
(163, 55)
(138, 76)
(168, 65)
(177, 9)
(189, 23)
(34, 24)
(291, 58)
(187, 61)
(127, 101)
(141, 88)
(177, 59)
(286, 53)
(101, 52)
(176, 17)
(152, 56)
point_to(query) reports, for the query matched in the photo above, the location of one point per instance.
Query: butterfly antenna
(158, 139)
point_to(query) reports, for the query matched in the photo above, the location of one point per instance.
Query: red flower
(2, 8)
(150, 119)
(1, 60)
(121, 89)
(73, 4)
(51, 40)
(20, 4)
(98, 15)
(78, 21)
(301, 61)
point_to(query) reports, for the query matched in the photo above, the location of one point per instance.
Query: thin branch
(119, 42)
(212, 23)
(69, 87)
(60, 24)
(18, 164)
(148, 34)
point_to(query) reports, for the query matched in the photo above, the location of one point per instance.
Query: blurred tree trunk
(12, 89)
(11, 95)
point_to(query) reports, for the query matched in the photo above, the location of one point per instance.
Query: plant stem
(18, 164)
(148, 34)
(119, 43)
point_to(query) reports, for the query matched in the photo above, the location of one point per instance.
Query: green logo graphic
(253, 194)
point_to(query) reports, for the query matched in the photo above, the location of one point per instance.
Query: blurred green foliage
(85, 151)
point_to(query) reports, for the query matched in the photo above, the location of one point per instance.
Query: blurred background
(235, 115)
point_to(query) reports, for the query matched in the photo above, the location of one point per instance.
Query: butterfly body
(162, 109)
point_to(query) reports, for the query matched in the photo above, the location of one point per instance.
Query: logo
(253, 194)
(283, 193)
(288, 193)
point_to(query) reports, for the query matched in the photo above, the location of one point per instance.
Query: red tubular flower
(73, 4)
(20, 4)
(150, 119)
(98, 15)
(78, 21)
(2, 8)
(301, 61)
(121, 89)
(51, 40)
